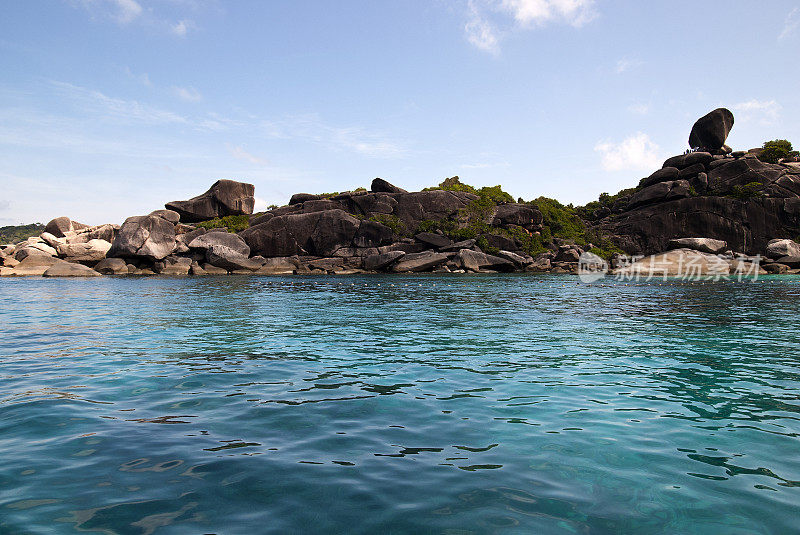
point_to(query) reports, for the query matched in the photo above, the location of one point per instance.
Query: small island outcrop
(709, 202)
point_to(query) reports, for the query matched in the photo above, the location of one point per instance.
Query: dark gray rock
(381, 261)
(425, 261)
(150, 237)
(316, 233)
(372, 234)
(501, 242)
(711, 130)
(226, 258)
(522, 215)
(478, 261)
(299, 198)
(665, 174)
(436, 240)
(379, 185)
(412, 208)
(464, 244)
(223, 198)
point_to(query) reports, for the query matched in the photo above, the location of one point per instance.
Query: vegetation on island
(17, 233)
(776, 150)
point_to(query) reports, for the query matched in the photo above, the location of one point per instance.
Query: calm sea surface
(404, 404)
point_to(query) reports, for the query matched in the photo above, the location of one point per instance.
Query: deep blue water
(403, 404)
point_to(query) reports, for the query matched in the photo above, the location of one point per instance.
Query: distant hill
(16, 233)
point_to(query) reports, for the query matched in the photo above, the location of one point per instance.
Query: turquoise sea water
(403, 404)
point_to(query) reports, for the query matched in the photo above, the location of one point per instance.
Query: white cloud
(121, 110)
(480, 31)
(181, 27)
(241, 154)
(791, 23)
(539, 12)
(260, 205)
(639, 108)
(122, 11)
(626, 64)
(189, 94)
(765, 111)
(486, 19)
(143, 78)
(352, 138)
(636, 152)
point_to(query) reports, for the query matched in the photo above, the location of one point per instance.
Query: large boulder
(148, 236)
(412, 208)
(382, 261)
(315, 233)
(477, 261)
(58, 226)
(89, 252)
(372, 234)
(522, 215)
(68, 269)
(380, 185)
(35, 264)
(223, 198)
(782, 247)
(711, 130)
(425, 261)
(224, 257)
(747, 226)
(705, 245)
(112, 266)
(232, 241)
(685, 263)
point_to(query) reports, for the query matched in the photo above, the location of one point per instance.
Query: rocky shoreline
(710, 206)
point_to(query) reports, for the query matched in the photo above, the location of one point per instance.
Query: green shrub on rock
(775, 150)
(234, 223)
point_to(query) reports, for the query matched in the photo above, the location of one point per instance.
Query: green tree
(775, 150)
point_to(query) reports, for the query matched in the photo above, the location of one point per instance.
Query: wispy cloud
(539, 12)
(489, 20)
(241, 154)
(639, 108)
(127, 12)
(189, 94)
(626, 64)
(480, 32)
(143, 78)
(636, 152)
(791, 23)
(766, 112)
(121, 11)
(182, 27)
(352, 138)
(120, 110)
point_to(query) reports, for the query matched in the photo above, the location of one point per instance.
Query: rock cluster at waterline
(710, 200)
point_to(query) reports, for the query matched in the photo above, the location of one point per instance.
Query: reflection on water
(405, 404)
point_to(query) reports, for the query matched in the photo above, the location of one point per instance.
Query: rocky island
(713, 203)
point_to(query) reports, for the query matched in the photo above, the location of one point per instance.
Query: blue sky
(109, 108)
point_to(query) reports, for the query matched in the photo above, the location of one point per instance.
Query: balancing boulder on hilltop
(712, 193)
(225, 197)
(711, 130)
